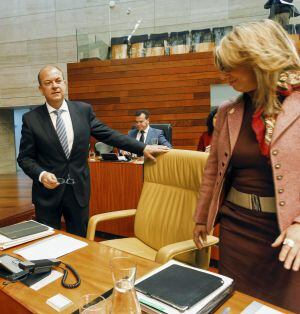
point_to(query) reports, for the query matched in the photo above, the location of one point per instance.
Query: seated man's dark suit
(152, 133)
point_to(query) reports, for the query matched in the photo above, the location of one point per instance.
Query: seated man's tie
(142, 138)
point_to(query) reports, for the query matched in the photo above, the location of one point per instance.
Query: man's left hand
(290, 251)
(151, 150)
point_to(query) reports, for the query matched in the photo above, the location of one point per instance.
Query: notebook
(179, 287)
(22, 229)
(22, 232)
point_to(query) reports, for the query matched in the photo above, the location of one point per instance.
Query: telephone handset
(13, 269)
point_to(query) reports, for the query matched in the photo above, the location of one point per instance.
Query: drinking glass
(154, 141)
(124, 299)
(92, 304)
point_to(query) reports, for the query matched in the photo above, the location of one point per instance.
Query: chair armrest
(94, 220)
(169, 251)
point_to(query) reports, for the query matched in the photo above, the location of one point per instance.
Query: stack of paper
(176, 288)
(22, 232)
(52, 247)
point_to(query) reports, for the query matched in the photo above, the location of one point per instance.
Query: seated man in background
(144, 133)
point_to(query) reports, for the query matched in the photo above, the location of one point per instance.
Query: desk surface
(92, 263)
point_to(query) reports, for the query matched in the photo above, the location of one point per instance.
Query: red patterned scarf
(262, 125)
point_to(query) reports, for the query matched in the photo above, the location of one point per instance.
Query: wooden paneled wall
(176, 90)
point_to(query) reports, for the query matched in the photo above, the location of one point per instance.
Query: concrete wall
(7, 143)
(38, 32)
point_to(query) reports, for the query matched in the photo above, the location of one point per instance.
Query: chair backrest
(169, 197)
(103, 148)
(166, 128)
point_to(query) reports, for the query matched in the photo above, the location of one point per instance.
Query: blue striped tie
(61, 132)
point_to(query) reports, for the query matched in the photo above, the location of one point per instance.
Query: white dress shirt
(67, 121)
(68, 125)
(139, 134)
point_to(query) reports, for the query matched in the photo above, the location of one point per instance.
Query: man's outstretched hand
(151, 150)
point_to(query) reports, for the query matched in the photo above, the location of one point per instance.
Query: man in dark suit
(54, 151)
(144, 132)
(281, 11)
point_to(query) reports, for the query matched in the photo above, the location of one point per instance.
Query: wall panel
(176, 90)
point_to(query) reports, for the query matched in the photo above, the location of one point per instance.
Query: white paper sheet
(52, 247)
(45, 281)
(258, 308)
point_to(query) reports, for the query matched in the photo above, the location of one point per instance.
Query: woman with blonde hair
(252, 177)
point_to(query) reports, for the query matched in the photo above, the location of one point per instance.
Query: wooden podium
(115, 186)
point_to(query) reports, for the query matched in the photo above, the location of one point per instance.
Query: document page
(52, 247)
(258, 308)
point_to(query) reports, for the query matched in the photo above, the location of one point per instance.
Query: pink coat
(284, 155)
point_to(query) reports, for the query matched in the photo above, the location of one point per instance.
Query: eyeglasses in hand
(65, 181)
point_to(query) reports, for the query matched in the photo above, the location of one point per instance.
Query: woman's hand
(200, 235)
(290, 251)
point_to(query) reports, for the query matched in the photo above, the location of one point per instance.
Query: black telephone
(13, 269)
(9, 268)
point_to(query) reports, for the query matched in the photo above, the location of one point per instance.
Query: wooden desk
(115, 186)
(15, 198)
(92, 263)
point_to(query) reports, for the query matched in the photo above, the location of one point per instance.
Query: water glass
(92, 304)
(154, 141)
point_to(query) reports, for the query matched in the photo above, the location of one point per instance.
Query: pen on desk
(107, 293)
(153, 305)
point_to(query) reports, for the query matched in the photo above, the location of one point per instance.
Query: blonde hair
(267, 49)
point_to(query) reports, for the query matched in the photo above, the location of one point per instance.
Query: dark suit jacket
(152, 133)
(277, 7)
(40, 150)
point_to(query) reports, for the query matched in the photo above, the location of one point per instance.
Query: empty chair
(156, 44)
(163, 225)
(103, 148)
(179, 42)
(202, 40)
(220, 32)
(119, 47)
(138, 46)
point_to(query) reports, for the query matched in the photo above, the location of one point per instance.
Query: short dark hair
(209, 121)
(49, 66)
(142, 111)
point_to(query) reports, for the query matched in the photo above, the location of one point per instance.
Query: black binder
(180, 287)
